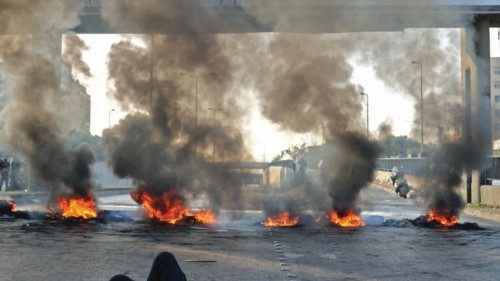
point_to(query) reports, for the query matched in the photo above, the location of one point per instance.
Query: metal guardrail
(407, 165)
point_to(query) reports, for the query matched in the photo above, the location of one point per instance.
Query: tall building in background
(74, 105)
(75, 102)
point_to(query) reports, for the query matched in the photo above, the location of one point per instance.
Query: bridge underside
(297, 19)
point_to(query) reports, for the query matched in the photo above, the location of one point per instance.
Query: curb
(484, 213)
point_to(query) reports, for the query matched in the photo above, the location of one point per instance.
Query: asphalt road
(240, 249)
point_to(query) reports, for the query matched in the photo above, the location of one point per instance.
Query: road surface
(241, 249)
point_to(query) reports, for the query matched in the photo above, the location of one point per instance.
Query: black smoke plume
(160, 144)
(443, 176)
(276, 204)
(32, 125)
(313, 83)
(385, 129)
(437, 50)
(74, 47)
(351, 163)
(305, 87)
(38, 17)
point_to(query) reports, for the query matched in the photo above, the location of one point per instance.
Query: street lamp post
(367, 113)
(421, 107)
(196, 120)
(151, 75)
(109, 117)
(214, 109)
(196, 108)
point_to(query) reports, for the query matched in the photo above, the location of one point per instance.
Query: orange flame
(347, 218)
(170, 208)
(79, 207)
(443, 219)
(12, 205)
(282, 220)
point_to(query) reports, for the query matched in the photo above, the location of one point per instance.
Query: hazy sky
(384, 104)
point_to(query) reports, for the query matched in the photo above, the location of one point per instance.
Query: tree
(295, 153)
(399, 146)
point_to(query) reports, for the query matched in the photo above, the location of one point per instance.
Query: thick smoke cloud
(156, 145)
(443, 176)
(37, 16)
(439, 53)
(171, 17)
(31, 125)
(177, 60)
(305, 87)
(302, 83)
(182, 62)
(384, 129)
(314, 85)
(137, 152)
(351, 163)
(154, 16)
(391, 55)
(275, 204)
(304, 68)
(74, 46)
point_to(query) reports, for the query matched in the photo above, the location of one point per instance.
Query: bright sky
(259, 129)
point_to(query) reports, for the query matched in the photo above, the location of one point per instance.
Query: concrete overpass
(312, 16)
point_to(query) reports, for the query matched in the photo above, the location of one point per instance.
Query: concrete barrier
(490, 195)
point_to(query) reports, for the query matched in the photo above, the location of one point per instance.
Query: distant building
(279, 174)
(75, 102)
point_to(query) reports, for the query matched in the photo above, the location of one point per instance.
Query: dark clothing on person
(164, 268)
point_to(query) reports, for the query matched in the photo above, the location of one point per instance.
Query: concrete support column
(476, 100)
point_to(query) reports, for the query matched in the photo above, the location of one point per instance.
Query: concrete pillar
(475, 62)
